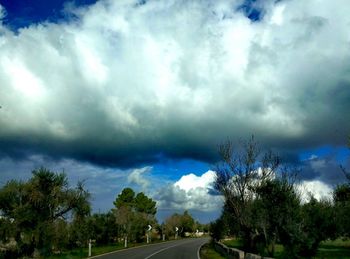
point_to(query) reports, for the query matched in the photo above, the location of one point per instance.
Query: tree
(187, 222)
(217, 229)
(260, 197)
(36, 206)
(341, 198)
(171, 223)
(318, 225)
(275, 213)
(146, 205)
(184, 222)
(134, 213)
(125, 199)
(103, 228)
(238, 175)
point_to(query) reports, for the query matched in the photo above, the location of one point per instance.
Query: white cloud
(174, 76)
(191, 192)
(316, 188)
(136, 176)
(191, 181)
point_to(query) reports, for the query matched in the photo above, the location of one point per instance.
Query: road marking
(130, 248)
(199, 249)
(161, 250)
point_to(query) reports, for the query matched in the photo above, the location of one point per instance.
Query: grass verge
(96, 250)
(330, 249)
(338, 248)
(208, 252)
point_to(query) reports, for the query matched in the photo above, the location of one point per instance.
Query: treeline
(263, 205)
(44, 215)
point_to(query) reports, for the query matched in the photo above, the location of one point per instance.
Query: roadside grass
(98, 250)
(331, 249)
(339, 248)
(235, 242)
(208, 252)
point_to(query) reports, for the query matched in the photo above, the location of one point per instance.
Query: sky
(140, 93)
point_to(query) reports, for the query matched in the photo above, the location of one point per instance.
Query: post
(176, 231)
(89, 247)
(148, 233)
(126, 241)
(163, 237)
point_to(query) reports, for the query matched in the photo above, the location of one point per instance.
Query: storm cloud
(123, 84)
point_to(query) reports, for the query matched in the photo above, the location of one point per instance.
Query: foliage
(134, 213)
(34, 210)
(275, 213)
(217, 229)
(103, 228)
(125, 199)
(184, 222)
(341, 197)
(262, 201)
(143, 204)
(318, 225)
(250, 183)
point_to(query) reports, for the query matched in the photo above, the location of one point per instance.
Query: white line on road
(199, 250)
(161, 250)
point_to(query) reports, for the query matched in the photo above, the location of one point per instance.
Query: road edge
(199, 249)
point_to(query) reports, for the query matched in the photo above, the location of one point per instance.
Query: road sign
(149, 228)
(176, 229)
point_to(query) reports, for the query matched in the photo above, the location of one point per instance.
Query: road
(185, 248)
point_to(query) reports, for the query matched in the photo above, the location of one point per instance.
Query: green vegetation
(208, 252)
(45, 218)
(338, 248)
(96, 250)
(133, 215)
(263, 208)
(34, 212)
(185, 224)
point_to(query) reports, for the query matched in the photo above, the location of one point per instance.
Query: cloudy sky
(140, 93)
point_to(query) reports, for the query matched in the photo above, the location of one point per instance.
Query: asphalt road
(185, 248)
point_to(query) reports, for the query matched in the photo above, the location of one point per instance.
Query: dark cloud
(325, 169)
(126, 84)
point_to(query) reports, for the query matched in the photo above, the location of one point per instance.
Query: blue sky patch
(22, 13)
(341, 154)
(251, 10)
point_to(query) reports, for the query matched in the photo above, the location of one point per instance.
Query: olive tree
(250, 182)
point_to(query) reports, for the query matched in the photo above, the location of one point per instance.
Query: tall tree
(134, 213)
(144, 204)
(125, 199)
(341, 198)
(244, 176)
(237, 177)
(35, 206)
